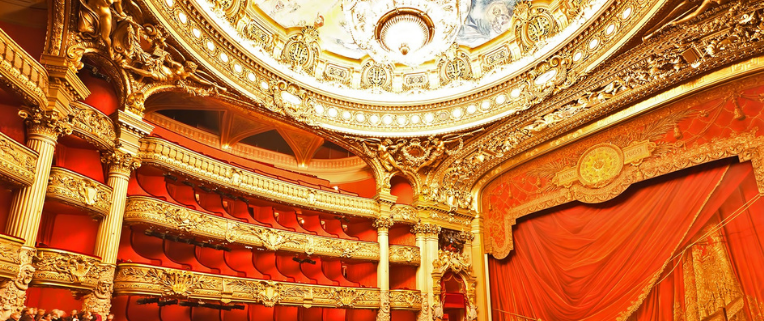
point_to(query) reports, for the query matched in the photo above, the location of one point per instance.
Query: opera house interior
(405, 160)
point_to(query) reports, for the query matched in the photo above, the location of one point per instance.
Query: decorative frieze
(61, 268)
(79, 191)
(405, 299)
(404, 254)
(17, 162)
(426, 229)
(92, 125)
(139, 279)
(172, 157)
(146, 210)
(10, 260)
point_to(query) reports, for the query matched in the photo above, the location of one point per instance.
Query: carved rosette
(66, 269)
(17, 162)
(13, 291)
(138, 279)
(171, 217)
(48, 124)
(79, 191)
(121, 162)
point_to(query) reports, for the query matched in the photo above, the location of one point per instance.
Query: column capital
(427, 229)
(121, 162)
(383, 223)
(46, 124)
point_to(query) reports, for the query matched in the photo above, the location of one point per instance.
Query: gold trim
(146, 210)
(22, 73)
(17, 162)
(10, 259)
(79, 191)
(140, 279)
(60, 268)
(93, 126)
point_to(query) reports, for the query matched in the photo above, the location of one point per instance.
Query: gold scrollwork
(66, 269)
(92, 125)
(17, 162)
(79, 191)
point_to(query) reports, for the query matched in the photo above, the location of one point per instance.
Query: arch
(401, 187)
(461, 268)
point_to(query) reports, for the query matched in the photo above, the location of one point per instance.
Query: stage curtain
(622, 260)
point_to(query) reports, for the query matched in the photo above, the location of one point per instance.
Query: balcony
(22, 73)
(59, 268)
(17, 162)
(78, 191)
(181, 220)
(93, 126)
(176, 159)
(139, 279)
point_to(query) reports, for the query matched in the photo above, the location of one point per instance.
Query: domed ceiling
(403, 68)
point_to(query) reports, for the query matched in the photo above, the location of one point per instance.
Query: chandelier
(410, 32)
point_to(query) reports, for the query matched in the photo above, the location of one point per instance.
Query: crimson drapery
(605, 261)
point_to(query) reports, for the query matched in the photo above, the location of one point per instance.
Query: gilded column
(43, 130)
(121, 163)
(479, 269)
(383, 226)
(427, 240)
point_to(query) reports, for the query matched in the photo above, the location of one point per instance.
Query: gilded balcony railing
(22, 73)
(179, 219)
(10, 260)
(79, 191)
(17, 162)
(140, 279)
(93, 126)
(405, 299)
(66, 269)
(172, 157)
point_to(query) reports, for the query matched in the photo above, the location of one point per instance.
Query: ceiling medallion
(408, 31)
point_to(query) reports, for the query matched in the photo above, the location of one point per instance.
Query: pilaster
(426, 235)
(383, 224)
(479, 269)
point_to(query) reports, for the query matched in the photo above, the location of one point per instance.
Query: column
(427, 240)
(43, 130)
(383, 226)
(479, 270)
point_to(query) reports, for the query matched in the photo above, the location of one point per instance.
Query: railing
(167, 155)
(93, 126)
(405, 299)
(66, 269)
(79, 191)
(179, 219)
(17, 162)
(10, 259)
(404, 213)
(140, 279)
(22, 73)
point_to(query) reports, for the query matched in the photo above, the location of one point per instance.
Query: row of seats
(195, 196)
(136, 246)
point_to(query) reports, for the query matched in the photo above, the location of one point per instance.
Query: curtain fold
(622, 259)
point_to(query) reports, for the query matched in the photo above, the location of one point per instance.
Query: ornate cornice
(10, 259)
(22, 73)
(66, 269)
(723, 34)
(79, 191)
(171, 217)
(93, 126)
(139, 279)
(17, 162)
(174, 158)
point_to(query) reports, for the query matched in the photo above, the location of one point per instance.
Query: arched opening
(401, 187)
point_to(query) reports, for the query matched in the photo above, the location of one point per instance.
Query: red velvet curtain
(617, 260)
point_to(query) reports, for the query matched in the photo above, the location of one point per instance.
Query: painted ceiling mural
(487, 19)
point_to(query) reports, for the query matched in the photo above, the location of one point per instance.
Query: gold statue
(382, 150)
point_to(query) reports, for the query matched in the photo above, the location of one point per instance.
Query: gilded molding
(22, 73)
(79, 191)
(163, 154)
(139, 279)
(404, 213)
(17, 162)
(93, 126)
(146, 210)
(13, 291)
(66, 269)
(405, 299)
(426, 229)
(10, 260)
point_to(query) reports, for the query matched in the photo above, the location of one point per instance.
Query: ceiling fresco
(487, 19)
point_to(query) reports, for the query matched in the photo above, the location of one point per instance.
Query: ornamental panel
(66, 269)
(93, 126)
(169, 156)
(10, 259)
(146, 210)
(139, 279)
(79, 191)
(17, 162)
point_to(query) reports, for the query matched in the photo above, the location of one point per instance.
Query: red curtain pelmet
(646, 255)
